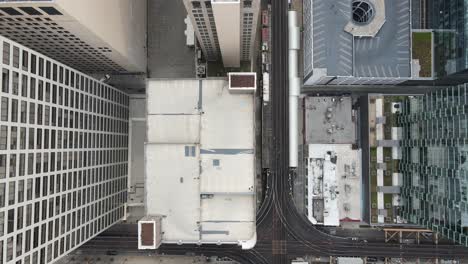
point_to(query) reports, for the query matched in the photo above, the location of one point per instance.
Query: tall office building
(448, 20)
(225, 28)
(63, 156)
(105, 36)
(434, 162)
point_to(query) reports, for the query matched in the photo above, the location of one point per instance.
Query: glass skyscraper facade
(449, 19)
(434, 161)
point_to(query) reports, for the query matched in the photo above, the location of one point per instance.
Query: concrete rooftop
(329, 120)
(334, 185)
(200, 161)
(385, 55)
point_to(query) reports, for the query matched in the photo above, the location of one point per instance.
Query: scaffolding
(404, 235)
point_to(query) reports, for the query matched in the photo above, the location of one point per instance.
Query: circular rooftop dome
(363, 11)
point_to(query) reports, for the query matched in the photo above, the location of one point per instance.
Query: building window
(2, 169)
(11, 11)
(5, 81)
(50, 11)
(6, 53)
(196, 4)
(3, 137)
(30, 11)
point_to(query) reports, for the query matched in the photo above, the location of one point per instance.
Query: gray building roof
(385, 55)
(388, 53)
(332, 46)
(329, 120)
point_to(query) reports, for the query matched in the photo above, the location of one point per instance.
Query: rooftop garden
(422, 51)
(392, 165)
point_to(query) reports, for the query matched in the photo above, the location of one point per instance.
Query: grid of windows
(63, 156)
(247, 27)
(214, 33)
(250, 13)
(448, 18)
(434, 163)
(307, 36)
(35, 27)
(205, 26)
(207, 33)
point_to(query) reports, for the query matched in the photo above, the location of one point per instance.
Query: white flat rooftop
(334, 184)
(346, 260)
(200, 162)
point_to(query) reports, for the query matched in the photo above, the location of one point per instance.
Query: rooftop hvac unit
(242, 82)
(149, 232)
